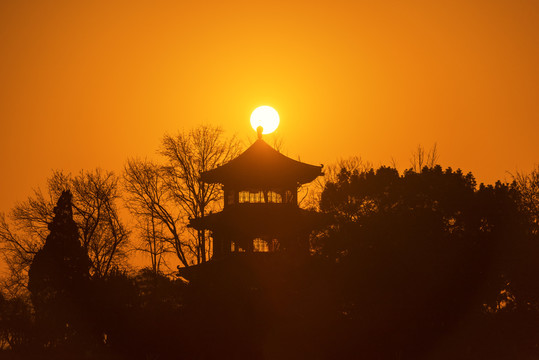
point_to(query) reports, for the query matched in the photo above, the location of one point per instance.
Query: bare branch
(172, 192)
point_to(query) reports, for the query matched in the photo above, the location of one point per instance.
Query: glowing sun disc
(265, 116)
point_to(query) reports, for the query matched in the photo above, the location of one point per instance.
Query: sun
(265, 116)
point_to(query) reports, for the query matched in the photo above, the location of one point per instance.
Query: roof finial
(259, 130)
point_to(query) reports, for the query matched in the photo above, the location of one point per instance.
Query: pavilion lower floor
(258, 228)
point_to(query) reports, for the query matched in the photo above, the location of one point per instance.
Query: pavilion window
(274, 197)
(288, 196)
(243, 197)
(256, 197)
(274, 245)
(260, 245)
(259, 196)
(235, 247)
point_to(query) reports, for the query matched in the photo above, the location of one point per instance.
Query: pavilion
(260, 212)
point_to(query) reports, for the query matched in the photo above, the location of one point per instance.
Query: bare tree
(149, 199)
(95, 195)
(172, 192)
(422, 158)
(528, 187)
(153, 242)
(188, 155)
(102, 233)
(18, 249)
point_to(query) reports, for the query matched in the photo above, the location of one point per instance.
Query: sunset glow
(393, 212)
(375, 81)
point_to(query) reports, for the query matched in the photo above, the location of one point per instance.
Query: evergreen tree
(59, 279)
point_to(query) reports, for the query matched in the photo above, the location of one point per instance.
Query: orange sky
(87, 84)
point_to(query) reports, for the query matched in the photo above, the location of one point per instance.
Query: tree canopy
(420, 264)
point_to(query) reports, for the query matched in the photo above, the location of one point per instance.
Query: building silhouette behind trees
(260, 212)
(423, 264)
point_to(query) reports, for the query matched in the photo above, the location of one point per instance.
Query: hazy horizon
(89, 85)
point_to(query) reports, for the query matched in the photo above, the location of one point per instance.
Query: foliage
(423, 264)
(424, 254)
(310, 194)
(16, 323)
(96, 214)
(59, 278)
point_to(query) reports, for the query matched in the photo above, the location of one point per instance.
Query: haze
(88, 84)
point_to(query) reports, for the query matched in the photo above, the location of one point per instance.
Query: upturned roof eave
(240, 168)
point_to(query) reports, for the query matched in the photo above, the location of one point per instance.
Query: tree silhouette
(149, 200)
(152, 242)
(528, 187)
(172, 192)
(59, 278)
(188, 155)
(418, 253)
(417, 265)
(312, 192)
(95, 211)
(421, 158)
(15, 323)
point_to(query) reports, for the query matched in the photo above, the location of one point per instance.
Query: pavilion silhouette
(260, 213)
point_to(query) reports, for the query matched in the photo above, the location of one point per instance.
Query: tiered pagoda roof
(261, 165)
(268, 217)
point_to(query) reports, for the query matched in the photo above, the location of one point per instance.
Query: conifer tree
(59, 278)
